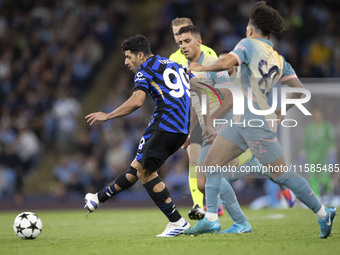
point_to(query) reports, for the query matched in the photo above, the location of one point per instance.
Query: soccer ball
(27, 225)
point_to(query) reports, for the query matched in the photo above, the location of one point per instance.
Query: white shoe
(91, 202)
(175, 228)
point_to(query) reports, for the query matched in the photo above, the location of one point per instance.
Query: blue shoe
(327, 222)
(204, 226)
(238, 228)
(289, 196)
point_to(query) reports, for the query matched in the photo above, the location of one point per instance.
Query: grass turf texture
(133, 231)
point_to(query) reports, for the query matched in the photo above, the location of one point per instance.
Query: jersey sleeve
(220, 77)
(287, 71)
(143, 79)
(242, 51)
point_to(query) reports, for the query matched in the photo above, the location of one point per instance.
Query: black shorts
(196, 135)
(156, 146)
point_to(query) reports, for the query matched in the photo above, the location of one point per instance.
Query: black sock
(169, 209)
(121, 181)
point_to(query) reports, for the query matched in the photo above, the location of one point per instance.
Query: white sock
(211, 216)
(321, 213)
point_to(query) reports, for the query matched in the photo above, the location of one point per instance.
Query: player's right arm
(130, 105)
(219, 65)
(241, 54)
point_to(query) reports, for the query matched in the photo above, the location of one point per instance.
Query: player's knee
(159, 187)
(158, 191)
(131, 175)
(145, 176)
(233, 162)
(136, 165)
(131, 178)
(139, 175)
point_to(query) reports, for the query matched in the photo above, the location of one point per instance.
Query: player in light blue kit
(189, 40)
(260, 68)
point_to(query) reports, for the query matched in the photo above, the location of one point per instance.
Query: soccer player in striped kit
(168, 85)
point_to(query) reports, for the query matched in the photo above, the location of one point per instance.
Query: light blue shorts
(262, 143)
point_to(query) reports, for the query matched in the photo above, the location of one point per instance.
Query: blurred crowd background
(52, 52)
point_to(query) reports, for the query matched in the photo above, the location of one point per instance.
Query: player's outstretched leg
(124, 181)
(326, 223)
(228, 196)
(237, 228)
(203, 227)
(175, 228)
(210, 223)
(300, 187)
(160, 194)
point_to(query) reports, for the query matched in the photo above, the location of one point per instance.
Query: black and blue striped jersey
(168, 85)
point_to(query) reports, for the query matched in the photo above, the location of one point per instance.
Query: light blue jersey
(260, 68)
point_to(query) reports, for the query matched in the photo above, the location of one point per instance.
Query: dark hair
(190, 28)
(266, 19)
(137, 44)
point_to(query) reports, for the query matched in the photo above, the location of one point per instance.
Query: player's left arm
(133, 103)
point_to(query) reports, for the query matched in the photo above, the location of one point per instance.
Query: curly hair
(266, 19)
(137, 44)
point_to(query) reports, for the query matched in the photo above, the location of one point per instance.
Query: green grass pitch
(132, 231)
